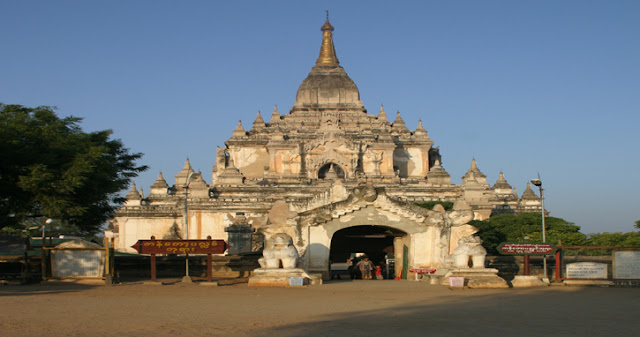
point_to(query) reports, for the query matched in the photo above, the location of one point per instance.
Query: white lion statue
(468, 247)
(279, 248)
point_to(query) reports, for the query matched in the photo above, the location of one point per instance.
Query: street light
(538, 182)
(47, 222)
(42, 245)
(187, 278)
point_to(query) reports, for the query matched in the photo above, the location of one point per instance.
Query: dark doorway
(375, 241)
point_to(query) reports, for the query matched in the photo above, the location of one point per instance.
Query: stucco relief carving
(372, 161)
(290, 162)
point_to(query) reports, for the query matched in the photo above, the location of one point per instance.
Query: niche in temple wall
(401, 159)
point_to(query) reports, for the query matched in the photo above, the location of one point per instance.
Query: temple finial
(327, 51)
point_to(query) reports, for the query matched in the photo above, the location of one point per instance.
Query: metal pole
(544, 237)
(186, 277)
(42, 246)
(43, 267)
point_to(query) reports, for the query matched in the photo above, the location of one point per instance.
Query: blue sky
(526, 87)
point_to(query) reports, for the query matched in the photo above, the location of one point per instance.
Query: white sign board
(626, 264)
(587, 270)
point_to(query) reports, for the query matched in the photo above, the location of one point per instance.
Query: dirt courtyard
(337, 308)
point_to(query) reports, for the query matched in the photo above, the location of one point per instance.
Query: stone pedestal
(526, 281)
(280, 277)
(478, 277)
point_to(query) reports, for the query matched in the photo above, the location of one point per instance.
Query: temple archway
(323, 172)
(405, 229)
(378, 243)
(374, 241)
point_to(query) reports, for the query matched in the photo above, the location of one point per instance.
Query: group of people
(366, 268)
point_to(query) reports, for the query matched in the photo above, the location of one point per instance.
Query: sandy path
(360, 308)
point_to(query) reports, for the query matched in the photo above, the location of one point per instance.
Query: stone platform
(280, 277)
(478, 277)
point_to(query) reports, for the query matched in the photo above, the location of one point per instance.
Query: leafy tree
(448, 205)
(513, 228)
(638, 224)
(50, 168)
(615, 239)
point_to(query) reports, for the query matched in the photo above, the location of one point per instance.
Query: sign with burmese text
(528, 248)
(587, 270)
(180, 246)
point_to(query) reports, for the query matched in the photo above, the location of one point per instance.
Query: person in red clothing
(378, 273)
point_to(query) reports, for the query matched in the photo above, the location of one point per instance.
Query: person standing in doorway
(365, 267)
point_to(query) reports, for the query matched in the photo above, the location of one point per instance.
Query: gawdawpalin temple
(335, 178)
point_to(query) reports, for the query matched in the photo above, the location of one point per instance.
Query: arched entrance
(376, 242)
(335, 237)
(323, 172)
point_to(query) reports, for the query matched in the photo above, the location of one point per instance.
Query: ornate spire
(187, 166)
(231, 175)
(474, 175)
(160, 186)
(502, 183)
(239, 131)
(181, 177)
(327, 85)
(398, 120)
(327, 51)
(275, 115)
(382, 116)
(259, 122)
(160, 182)
(398, 123)
(437, 175)
(503, 189)
(528, 194)
(133, 193)
(420, 131)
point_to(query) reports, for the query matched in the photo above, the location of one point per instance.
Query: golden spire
(327, 51)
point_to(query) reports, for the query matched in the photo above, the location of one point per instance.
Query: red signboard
(529, 248)
(180, 246)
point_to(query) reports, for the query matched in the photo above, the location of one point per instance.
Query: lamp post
(187, 278)
(538, 183)
(42, 245)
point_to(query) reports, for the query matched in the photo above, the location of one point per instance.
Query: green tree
(448, 205)
(638, 224)
(618, 239)
(49, 167)
(513, 228)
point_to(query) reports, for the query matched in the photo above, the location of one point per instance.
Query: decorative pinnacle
(327, 51)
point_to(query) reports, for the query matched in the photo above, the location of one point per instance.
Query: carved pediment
(331, 142)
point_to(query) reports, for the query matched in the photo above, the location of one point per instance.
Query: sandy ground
(338, 308)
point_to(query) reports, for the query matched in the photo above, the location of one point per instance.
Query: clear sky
(526, 87)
